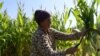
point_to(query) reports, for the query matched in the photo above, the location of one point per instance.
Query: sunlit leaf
(1, 5)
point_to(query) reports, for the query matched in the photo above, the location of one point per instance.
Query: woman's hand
(86, 31)
(71, 50)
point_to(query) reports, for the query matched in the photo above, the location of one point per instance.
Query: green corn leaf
(1, 4)
(20, 19)
(66, 15)
(0, 16)
(98, 2)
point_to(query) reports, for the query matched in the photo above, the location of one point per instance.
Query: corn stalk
(85, 14)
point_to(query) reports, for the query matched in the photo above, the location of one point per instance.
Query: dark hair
(41, 15)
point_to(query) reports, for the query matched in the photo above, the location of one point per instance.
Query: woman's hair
(41, 15)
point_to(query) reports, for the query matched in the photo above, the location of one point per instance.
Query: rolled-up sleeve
(45, 48)
(63, 36)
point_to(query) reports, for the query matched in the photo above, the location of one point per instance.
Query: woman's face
(46, 23)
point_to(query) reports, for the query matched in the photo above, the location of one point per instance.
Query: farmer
(43, 40)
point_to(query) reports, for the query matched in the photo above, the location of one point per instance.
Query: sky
(12, 7)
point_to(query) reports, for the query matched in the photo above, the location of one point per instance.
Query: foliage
(15, 34)
(85, 14)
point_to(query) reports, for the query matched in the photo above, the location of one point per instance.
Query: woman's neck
(44, 29)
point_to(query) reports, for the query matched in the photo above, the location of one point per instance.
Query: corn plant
(16, 34)
(85, 13)
(59, 22)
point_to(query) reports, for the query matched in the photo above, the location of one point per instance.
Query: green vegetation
(15, 34)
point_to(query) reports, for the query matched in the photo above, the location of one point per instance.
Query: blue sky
(12, 8)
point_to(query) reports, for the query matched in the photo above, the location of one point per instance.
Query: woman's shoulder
(53, 30)
(36, 35)
(37, 32)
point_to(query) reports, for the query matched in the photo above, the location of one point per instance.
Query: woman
(43, 40)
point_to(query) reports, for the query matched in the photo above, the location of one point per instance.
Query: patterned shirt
(43, 44)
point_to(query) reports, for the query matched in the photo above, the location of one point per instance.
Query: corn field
(16, 34)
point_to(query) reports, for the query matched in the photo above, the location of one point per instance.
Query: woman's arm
(45, 49)
(62, 36)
